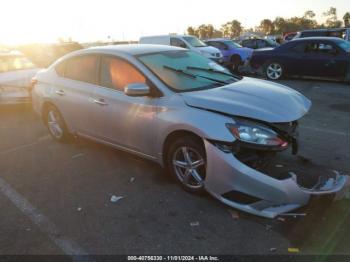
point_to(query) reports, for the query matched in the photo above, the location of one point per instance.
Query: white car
(16, 73)
(185, 41)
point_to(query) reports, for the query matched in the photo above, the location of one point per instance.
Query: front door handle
(60, 92)
(100, 102)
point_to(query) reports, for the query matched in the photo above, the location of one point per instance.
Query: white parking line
(328, 131)
(69, 247)
(14, 149)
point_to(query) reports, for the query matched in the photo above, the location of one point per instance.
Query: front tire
(186, 162)
(274, 70)
(235, 63)
(56, 124)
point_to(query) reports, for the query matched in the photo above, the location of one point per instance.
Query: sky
(29, 21)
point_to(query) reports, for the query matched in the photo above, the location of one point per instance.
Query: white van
(185, 41)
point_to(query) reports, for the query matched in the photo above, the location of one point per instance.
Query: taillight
(33, 82)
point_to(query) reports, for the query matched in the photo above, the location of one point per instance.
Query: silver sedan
(210, 129)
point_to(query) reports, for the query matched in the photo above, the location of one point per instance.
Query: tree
(191, 30)
(346, 19)
(266, 26)
(332, 18)
(231, 29)
(309, 14)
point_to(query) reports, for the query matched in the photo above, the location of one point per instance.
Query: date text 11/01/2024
(173, 258)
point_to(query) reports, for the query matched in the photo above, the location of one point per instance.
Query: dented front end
(237, 178)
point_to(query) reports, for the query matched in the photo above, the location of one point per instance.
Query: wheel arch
(172, 136)
(234, 56)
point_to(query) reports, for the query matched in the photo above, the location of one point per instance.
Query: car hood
(252, 98)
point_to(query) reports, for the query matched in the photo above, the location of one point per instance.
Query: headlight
(255, 133)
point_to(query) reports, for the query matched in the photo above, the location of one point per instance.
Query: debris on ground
(234, 214)
(115, 199)
(28, 229)
(279, 165)
(194, 224)
(293, 250)
(79, 209)
(281, 219)
(273, 249)
(77, 155)
(132, 179)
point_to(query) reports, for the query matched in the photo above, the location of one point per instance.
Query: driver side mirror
(137, 89)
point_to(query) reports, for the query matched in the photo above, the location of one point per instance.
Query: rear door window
(82, 68)
(320, 48)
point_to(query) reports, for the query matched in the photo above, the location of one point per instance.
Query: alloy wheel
(274, 71)
(189, 167)
(54, 124)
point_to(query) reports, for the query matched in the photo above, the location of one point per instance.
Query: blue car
(234, 55)
(313, 57)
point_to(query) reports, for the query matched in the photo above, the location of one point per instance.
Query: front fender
(205, 124)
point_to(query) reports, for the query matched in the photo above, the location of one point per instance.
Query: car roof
(133, 49)
(324, 30)
(218, 39)
(318, 38)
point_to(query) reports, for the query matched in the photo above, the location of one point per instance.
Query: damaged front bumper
(240, 186)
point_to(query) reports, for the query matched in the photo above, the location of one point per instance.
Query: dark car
(317, 57)
(343, 33)
(257, 43)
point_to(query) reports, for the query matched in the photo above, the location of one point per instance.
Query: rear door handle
(100, 102)
(60, 92)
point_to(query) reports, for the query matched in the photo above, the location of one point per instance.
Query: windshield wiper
(180, 71)
(213, 70)
(193, 75)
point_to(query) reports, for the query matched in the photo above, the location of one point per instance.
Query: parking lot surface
(55, 198)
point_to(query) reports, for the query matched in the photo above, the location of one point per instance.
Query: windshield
(344, 45)
(186, 71)
(232, 44)
(194, 41)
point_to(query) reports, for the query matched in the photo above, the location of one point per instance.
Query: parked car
(343, 33)
(234, 54)
(185, 41)
(320, 57)
(257, 43)
(210, 129)
(16, 72)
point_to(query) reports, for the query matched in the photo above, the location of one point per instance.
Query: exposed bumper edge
(225, 173)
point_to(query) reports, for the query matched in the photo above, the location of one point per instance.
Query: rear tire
(274, 70)
(56, 124)
(186, 162)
